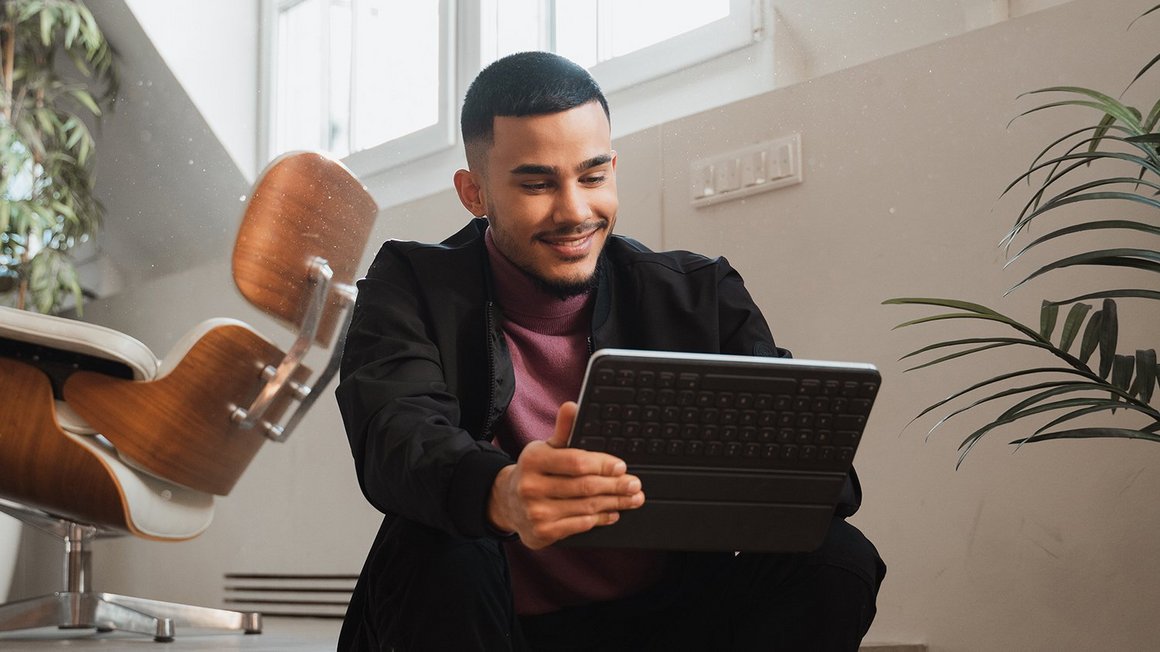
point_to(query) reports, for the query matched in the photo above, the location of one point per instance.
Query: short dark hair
(521, 84)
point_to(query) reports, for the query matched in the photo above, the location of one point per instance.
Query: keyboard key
(675, 447)
(785, 435)
(820, 404)
(713, 448)
(729, 417)
(687, 397)
(850, 422)
(763, 402)
(767, 419)
(610, 411)
(616, 445)
(860, 406)
(748, 418)
(610, 428)
(826, 453)
(744, 401)
(768, 435)
(670, 430)
(710, 432)
(728, 433)
(755, 383)
(789, 452)
(808, 453)
(631, 429)
(651, 413)
(724, 399)
(782, 402)
(590, 427)
(646, 396)
(690, 431)
(694, 448)
(809, 386)
(666, 380)
(748, 434)
(605, 376)
(646, 379)
(752, 451)
(650, 429)
(666, 397)
(802, 403)
(592, 443)
(687, 381)
(706, 399)
(613, 394)
(636, 446)
(845, 454)
(869, 390)
(824, 420)
(733, 449)
(625, 378)
(690, 415)
(849, 389)
(831, 388)
(656, 446)
(671, 413)
(630, 412)
(805, 420)
(770, 451)
(822, 436)
(805, 436)
(785, 419)
(710, 415)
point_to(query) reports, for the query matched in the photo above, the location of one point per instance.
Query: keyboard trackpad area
(809, 488)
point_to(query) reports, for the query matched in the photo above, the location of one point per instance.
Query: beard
(560, 288)
(566, 289)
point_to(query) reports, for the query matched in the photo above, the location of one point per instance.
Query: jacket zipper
(487, 420)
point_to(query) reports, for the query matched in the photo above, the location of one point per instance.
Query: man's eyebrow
(551, 170)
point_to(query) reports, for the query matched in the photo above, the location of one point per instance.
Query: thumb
(565, 417)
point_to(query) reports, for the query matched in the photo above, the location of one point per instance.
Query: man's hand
(553, 491)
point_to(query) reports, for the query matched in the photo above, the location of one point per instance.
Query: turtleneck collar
(523, 300)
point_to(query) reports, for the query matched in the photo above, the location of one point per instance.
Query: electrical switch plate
(746, 171)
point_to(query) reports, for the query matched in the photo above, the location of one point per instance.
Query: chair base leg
(108, 611)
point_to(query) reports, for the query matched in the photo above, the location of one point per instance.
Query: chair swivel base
(109, 611)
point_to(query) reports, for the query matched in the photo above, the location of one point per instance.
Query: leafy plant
(47, 205)
(1066, 388)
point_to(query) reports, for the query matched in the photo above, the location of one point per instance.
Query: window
(374, 81)
(622, 43)
(367, 80)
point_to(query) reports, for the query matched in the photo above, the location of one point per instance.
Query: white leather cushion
(79, 337)
(156, 508)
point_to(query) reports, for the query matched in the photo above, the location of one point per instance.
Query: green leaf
(1122, 368)
(1146, 373)
(960, 354)
(1143, 259)
(84, 98)
(1048, 314)
(1075, 317)
(1113, 294)
(1091, 336)
(1109, 334)
(1103, 103)
(1088, 433)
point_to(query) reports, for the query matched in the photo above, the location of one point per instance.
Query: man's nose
(572, 207)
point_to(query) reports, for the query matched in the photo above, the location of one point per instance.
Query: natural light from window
(356, 75)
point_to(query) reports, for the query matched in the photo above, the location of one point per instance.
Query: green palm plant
(47, 205)
(1071, 385)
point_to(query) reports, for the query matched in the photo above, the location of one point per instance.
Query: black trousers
(422, 589)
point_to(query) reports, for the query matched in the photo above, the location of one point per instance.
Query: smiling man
(460, 367)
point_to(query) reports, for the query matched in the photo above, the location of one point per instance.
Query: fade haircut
(523, 84)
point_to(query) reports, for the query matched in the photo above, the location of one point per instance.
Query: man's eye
(593, 179)
(535, 186)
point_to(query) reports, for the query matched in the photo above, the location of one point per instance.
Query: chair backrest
(304, 207)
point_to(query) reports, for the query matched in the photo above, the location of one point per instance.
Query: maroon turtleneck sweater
(548, 341)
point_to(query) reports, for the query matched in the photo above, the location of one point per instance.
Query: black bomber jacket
(426, 372)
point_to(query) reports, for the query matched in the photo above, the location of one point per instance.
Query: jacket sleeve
(411, 456)
(744, 331)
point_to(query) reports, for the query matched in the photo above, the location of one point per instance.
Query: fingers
(549, 533)
(570, 461)
(565, 417)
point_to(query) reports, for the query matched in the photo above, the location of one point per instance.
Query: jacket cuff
(470, 489)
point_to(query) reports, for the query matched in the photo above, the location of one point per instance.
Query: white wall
(1051, 548)
(212, 47)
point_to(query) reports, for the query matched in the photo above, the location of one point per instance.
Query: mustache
(578, 229)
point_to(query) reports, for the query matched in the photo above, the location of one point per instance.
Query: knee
(846, 548)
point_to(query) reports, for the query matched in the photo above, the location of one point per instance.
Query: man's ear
(469, 186)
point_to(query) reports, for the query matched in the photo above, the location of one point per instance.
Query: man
(459, 370)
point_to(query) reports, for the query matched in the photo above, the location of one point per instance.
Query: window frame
(403, 149)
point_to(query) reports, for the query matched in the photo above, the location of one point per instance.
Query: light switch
(756, 168)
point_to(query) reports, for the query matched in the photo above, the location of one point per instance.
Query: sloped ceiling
(172, 193)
